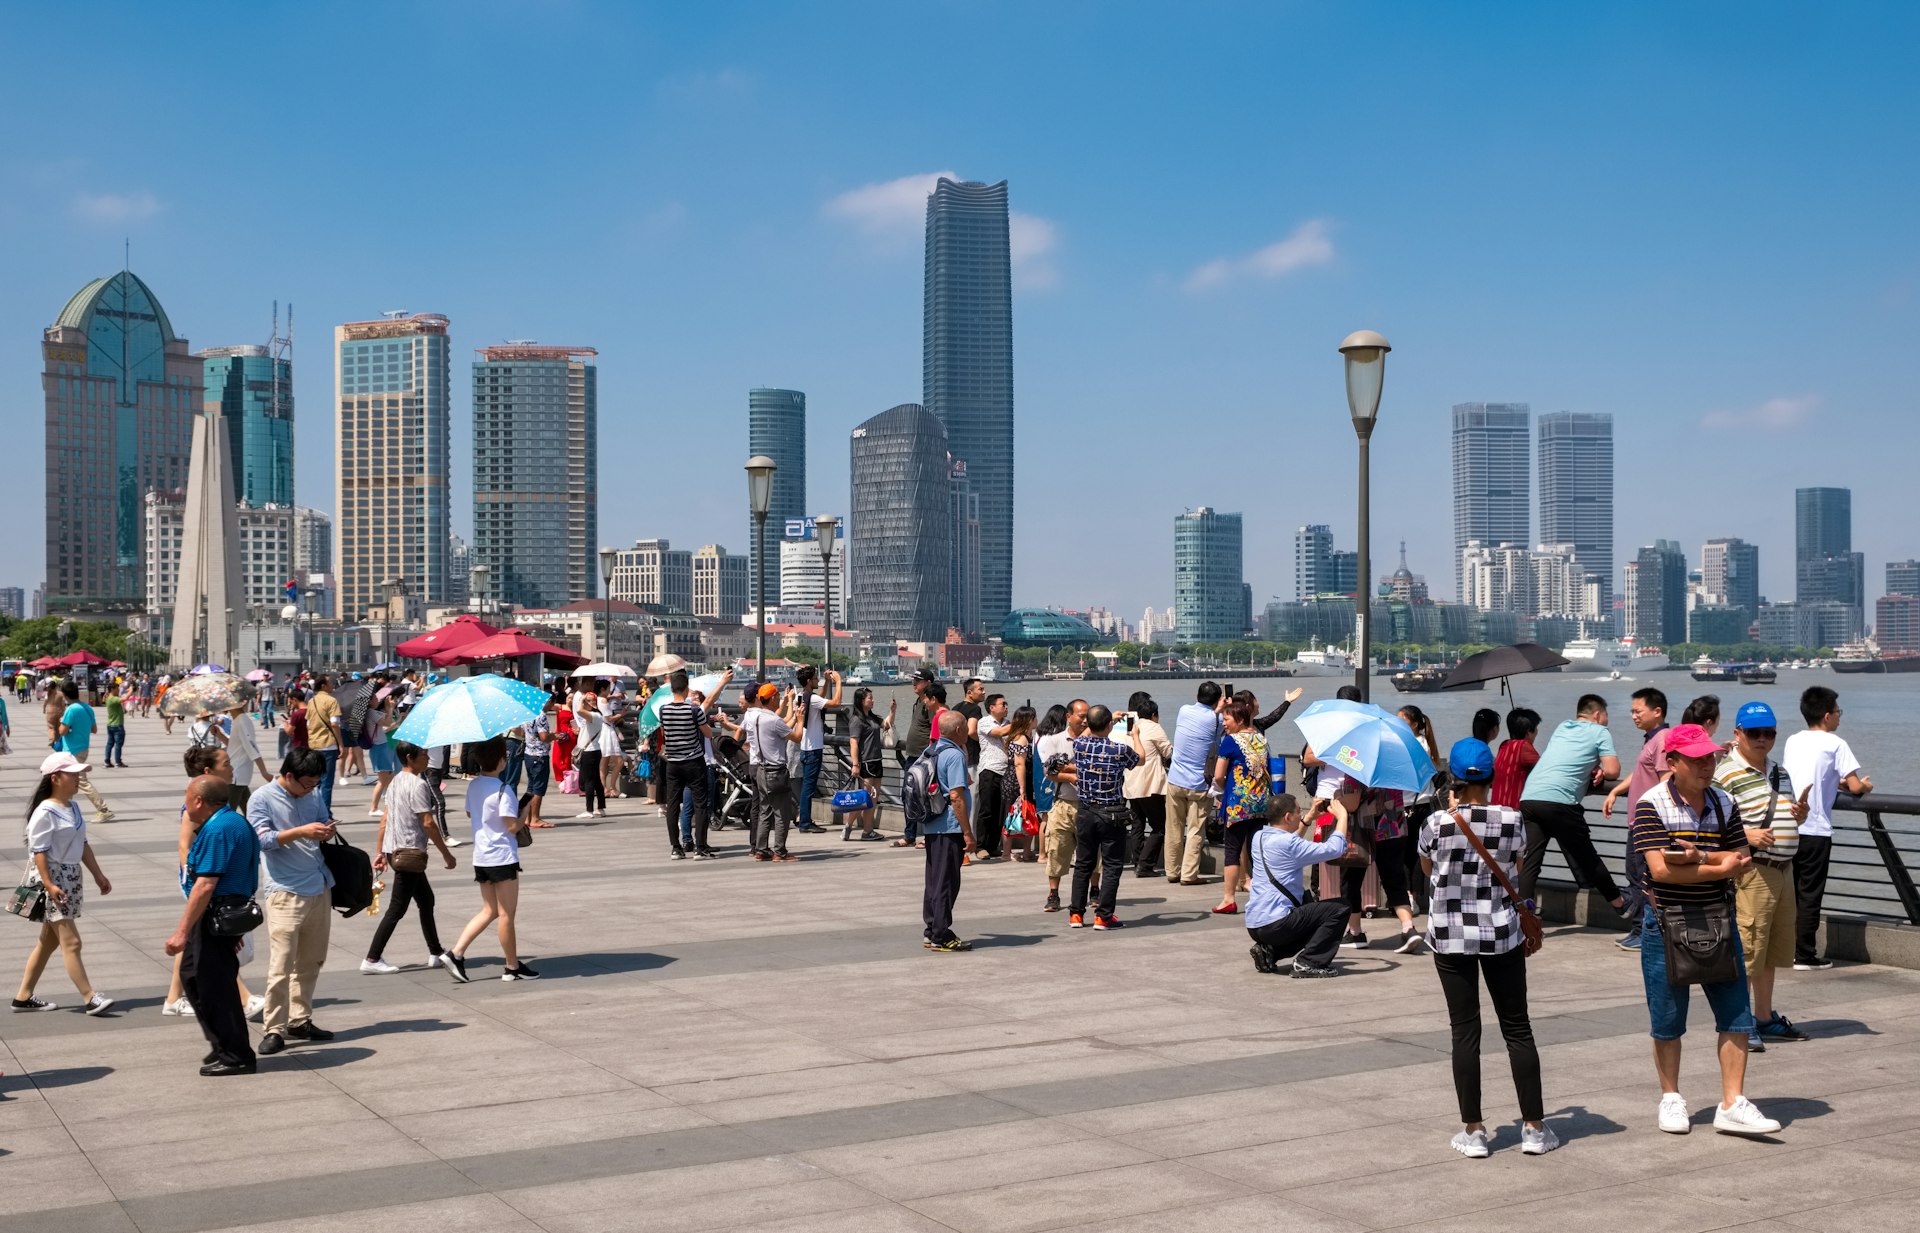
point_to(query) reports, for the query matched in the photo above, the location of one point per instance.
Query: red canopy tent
(82, 658)
(456, 633)
(506, 645)
(44, 662)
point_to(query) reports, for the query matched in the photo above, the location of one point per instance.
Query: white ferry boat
(1613, 655)
(1321, 661)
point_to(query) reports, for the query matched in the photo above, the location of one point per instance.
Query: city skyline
(1212, 287)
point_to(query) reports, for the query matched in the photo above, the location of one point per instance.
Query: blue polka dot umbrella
(470, 708)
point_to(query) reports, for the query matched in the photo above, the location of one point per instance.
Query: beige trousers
(1187, 814)
(298, 929)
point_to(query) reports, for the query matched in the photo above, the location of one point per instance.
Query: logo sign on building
(803, 528)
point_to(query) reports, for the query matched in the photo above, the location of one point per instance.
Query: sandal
(542, 825)
(901, 843)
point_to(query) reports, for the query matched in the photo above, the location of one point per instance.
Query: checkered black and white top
(1471, 914)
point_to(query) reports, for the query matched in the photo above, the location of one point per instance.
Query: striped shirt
(1765, 800)
(1662, 817)
(680, 722)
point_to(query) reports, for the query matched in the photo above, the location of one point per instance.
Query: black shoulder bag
(1699, 936)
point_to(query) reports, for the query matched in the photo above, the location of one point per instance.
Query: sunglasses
(1761, 734)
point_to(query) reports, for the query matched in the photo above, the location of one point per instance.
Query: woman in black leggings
(1474, 929)
(1388, 810)
(407, 826)
(586, 756)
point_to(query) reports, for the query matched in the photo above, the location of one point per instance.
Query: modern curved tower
(967, 363)
(900, 531)
(777, 427)
(122, 391)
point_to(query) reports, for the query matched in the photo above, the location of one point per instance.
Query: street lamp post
(1366, 354)
(608, 558)
(825, 526)
(477, 588)
(387, 590)
(760, 469)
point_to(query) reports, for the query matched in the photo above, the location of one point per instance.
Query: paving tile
(746, 1207)
(1103, 1196)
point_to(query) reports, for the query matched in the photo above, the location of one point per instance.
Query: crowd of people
(1720, 837)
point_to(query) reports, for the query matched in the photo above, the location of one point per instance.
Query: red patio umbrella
(503, 646)
(44, 662)
(456, 633)
(78, 658)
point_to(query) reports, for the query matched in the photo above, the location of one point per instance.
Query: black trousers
(436, 777)
(943, 884)
(1506, 977)
(990, 799)
(1567, 825)
(209, 972)
(1147, 832)
(588, 767)
(408, 889)
(1390, 861)
(689, 776)
(1310, 933)
(1099, 833)
(1810, 865)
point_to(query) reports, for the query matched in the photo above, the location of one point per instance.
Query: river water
(1879, 712)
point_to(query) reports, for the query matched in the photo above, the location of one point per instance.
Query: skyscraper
(1730, 574)
(255, 391)
(1491, 495)
(395, 455)
(1903, 577)
(1822, 522)
(967, 362)
(1656, 594)
(777, 427)
(720, 583)
(536, 499)
(122, 391)
(965, 583)
(900, 526)
(655, 572)
(1312, 561)
(1576, 490)
(1208, 603)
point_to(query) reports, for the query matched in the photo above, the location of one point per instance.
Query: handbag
(1699, 936)
(774, 775)
(1359, 851)
(407, 860)
(232, 916)
(1022, 819)
(29, 899)
(1532, 935)
(852, 800)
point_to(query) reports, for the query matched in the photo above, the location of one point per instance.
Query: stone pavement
(727, 1045)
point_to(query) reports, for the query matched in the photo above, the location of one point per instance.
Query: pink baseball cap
(61, 760)
(1690, 741)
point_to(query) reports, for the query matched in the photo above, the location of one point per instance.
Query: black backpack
(352, 872)
(923, 799)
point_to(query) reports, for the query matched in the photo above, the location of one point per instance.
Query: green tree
(40, 636)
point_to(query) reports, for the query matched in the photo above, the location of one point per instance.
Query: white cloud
(116, 207)
(890, 210)
(1773, 415)
(1030, 241)
(1309, 245)
(893, 215)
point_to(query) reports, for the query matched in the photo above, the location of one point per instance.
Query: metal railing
(1876, 845)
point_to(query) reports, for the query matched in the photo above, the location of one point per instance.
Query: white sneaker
(433, 961)
(585, 813)
(377, 967)
(1738, 1118)
(1537, 1142)
(454, 841)
(1471, 1144)
(179, 1006)
(374, 811)
(1673, 1114)
(255, 1005)
(100, 1004)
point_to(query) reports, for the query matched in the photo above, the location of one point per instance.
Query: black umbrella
(1501, 662)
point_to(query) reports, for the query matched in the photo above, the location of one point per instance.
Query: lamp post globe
(826, 527)
(1366, 365)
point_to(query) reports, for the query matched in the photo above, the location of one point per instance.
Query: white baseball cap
(61, 760)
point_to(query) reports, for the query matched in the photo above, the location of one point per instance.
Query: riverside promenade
(730, 1045)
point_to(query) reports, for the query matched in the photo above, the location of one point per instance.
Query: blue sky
(1697, 217)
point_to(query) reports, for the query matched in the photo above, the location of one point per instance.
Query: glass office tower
(1492, 498)
(1209, 604)
(1576, 490)
(777, 427)
(901, 526)
(536, 522)
(255, 392)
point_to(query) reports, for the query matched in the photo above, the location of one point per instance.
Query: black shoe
(808, 828)
(218, 1069)
(1053, 902)
(456, 967)
(523, 972)
(679, 853)
(1263, 960)
(1302, 971)
(307, 1031)
(704, 854)
(271, 1044)
(213, 1055)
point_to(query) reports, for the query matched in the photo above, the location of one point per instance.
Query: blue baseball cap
(1755, 715)
(1470, 761)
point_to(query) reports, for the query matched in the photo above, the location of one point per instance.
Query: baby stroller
(733, 777)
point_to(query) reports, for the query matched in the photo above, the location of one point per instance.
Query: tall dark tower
(968, 363)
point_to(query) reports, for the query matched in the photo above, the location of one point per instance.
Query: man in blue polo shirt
(1197, 731)
(1578, 759)
(948, 836)
(224, 860)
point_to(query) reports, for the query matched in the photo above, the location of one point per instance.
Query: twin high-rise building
(254, 388)
(1210, 604)
(777, 428)
(393, 433)
(1576, 490)
(1730, 574)
(536, 518)
(900, 526)
(122, 391)
(1655, 594)
(1830, 578)
(1491, 467)
(967, 363)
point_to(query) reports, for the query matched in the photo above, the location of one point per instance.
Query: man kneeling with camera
(1281, 919)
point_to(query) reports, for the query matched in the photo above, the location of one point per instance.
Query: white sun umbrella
(606, 670)
(661, 665)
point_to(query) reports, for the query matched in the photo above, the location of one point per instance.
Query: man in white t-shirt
(997, 785)
(1818, 763)
(813, 738)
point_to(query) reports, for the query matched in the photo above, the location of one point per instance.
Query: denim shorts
(1667, 1004)
(536, 776)
(384, 760)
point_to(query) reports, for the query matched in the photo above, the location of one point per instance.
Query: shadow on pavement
(395, 1027)
(69, 1076)
(599, 963)
(1793, 1109)
(323, 1057)
(1822, 1029)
